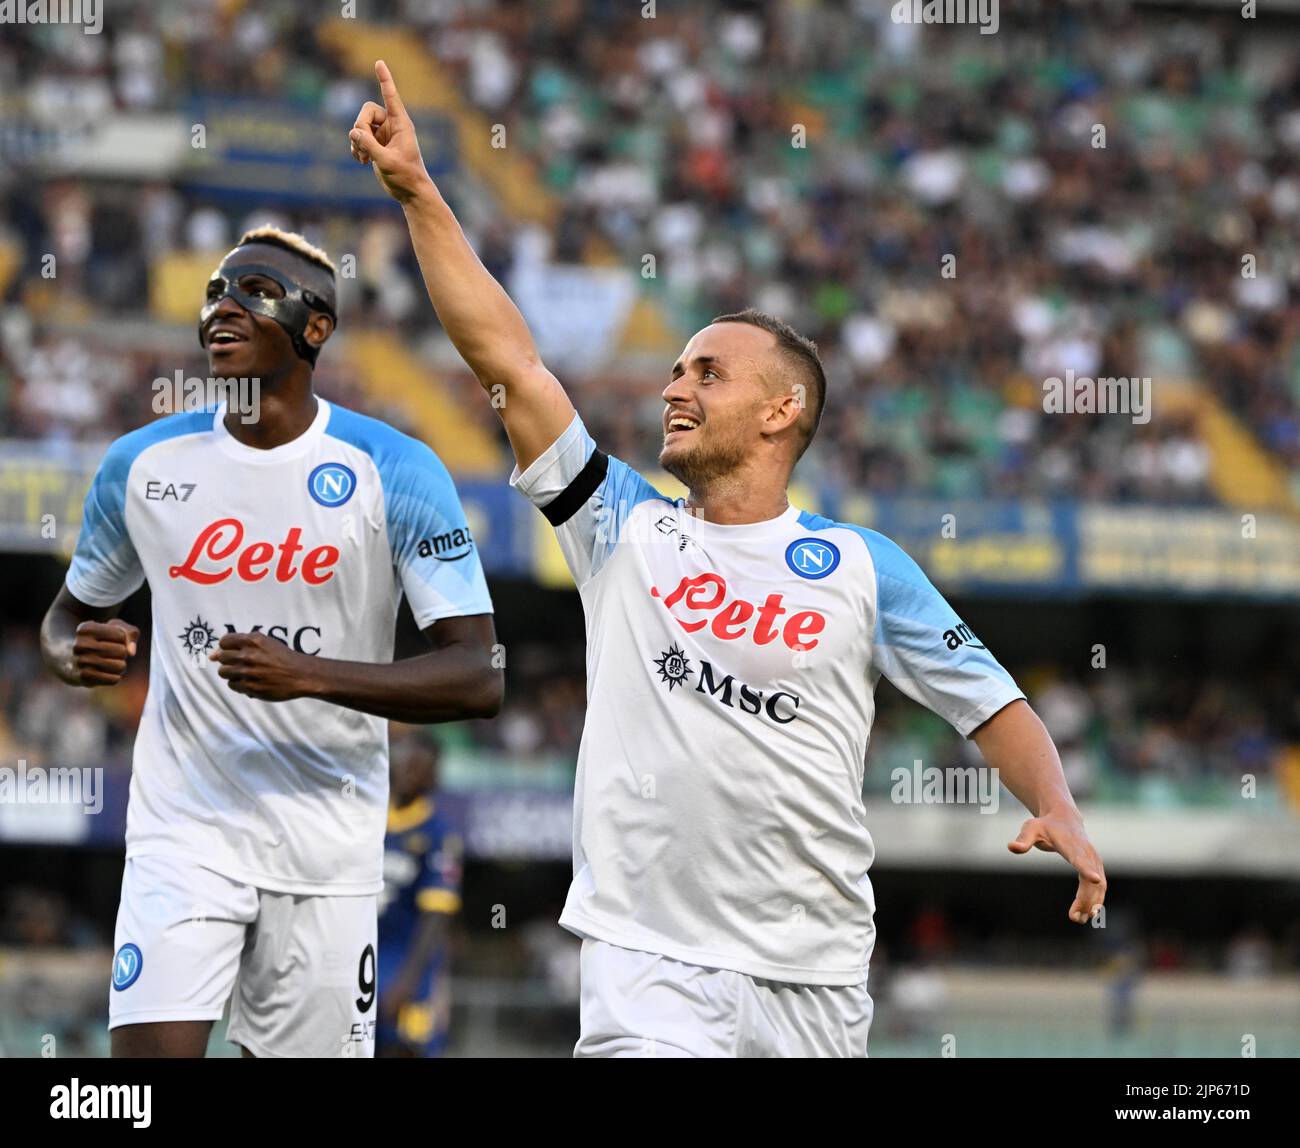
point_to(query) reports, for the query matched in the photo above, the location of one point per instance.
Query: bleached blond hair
(290, 241)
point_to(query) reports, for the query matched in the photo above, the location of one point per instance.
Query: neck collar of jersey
(702, 526)
(294, 448)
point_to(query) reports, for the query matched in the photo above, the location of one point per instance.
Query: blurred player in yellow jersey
(422, 868)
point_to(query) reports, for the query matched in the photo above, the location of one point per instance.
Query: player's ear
(319, 328)
(784, 411)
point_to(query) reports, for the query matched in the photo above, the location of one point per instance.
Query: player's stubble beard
(703, 463)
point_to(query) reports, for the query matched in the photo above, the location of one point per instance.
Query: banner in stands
(42, 488)
(259, 148)
(1189, 551)
(534, 823)
(993, 548)
(576, 313)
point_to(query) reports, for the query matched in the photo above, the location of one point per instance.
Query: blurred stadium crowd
(1124, 734)
(673, 136)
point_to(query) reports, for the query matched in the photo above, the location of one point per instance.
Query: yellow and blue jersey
(422, 871)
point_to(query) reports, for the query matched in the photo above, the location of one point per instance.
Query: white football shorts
(644, 1004)
(299, 971)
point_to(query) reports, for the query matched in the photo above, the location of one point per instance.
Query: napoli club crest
(127, 963)
(331, 484)
(812, 558)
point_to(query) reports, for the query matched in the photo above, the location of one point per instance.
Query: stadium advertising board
(41, 492)
(1189, 551)
(259, 148)
(989, 548)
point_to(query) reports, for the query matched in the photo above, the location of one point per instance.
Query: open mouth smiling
(225, 337)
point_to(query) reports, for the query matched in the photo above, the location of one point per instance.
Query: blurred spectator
(947, 259)
(1250, 954)
(39, 918)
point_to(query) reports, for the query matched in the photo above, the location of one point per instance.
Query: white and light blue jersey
(731, 670)
(313, 544)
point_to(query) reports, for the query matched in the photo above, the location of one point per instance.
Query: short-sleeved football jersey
(718, 816)
(311, 543)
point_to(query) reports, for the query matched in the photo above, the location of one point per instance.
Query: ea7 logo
(961, 636)
(156, 491)
(667, 526)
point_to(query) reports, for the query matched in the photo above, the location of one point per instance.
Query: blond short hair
(290, 241)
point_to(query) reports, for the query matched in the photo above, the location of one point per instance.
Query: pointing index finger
(387, 88)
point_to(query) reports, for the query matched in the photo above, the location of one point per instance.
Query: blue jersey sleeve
(924, 648)
(433, 549)
(105, 568)
(586, 495)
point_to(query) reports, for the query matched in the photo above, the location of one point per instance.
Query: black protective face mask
(292, 312)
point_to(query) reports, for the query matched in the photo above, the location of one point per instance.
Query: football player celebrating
(276, 551)
(734, 642)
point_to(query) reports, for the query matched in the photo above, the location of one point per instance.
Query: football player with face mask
(276, 551)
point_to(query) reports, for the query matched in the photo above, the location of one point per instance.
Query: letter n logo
(812, 558)
(127, 963)
(331, 484)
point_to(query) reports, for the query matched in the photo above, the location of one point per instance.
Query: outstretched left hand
(1064, 834)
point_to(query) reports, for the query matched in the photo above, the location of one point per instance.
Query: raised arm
(477, 314)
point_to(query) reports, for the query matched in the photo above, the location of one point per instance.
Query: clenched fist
(261, 667)
(101, 649)
(384, 137)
